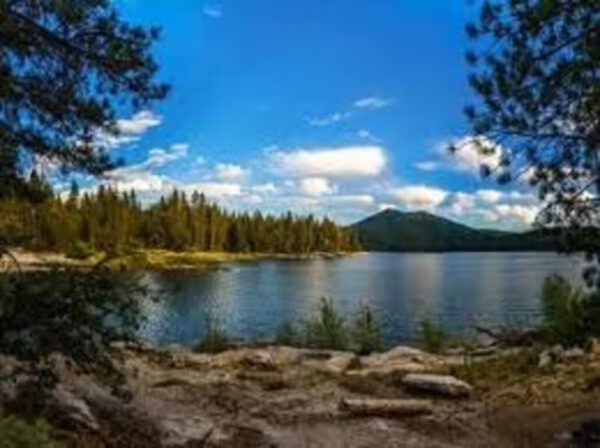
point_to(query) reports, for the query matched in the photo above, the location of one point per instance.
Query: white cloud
(467, 157)
(352, 200)
(367, 135)
(387, 206)
(329, 119)
(344, 163)
(428, 165)
(419, 196)
(266, 188)
(315, 186)
(523, 214)
(462, 203)
(139, 124)
(213, 11)
(489, 196)
(157, 157)
(215, 190)
(230, 172)
(372, 102)
(130, 130)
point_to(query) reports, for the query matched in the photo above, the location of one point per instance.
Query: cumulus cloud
(315, 186)
(342, 163)
(230, 172)
(266, 188)
(372, 102)
(489, 196)
(214, 190)
(461, 203)
(467, 157)
(157, 157)
(420, 196)
(523, 214)
(353, 200)
(130, 130)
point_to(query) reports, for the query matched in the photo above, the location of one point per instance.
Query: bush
(433, 337)
(215, 339)
(366, 334)
(287, 334)
(327, 330)
(17, 433)
(564, 311)
(79, 251)
(76, 313)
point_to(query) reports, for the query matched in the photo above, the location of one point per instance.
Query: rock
(385, 408)
(438, 384)
(179, 431)
(64, 405)
(595, 347)
(342, 362)
(572, 354)
(545, 359)
(485, 340)
(556, 351)
(259, 360)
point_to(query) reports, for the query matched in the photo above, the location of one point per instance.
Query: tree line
(109, 220)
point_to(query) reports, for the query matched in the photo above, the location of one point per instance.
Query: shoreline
(152, 259)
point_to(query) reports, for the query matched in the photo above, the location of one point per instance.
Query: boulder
(445, 385)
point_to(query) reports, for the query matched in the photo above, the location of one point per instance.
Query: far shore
(152, 259)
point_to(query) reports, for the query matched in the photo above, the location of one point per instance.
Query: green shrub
(76, 313)
(327, 330)
(366, 333)
(564, 310)
(287, 334)
(215, 339)
(433, 337)
(79, 251)
(17, 433)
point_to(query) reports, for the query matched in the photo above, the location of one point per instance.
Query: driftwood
(385, 407)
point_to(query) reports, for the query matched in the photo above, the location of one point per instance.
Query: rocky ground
(287, 397)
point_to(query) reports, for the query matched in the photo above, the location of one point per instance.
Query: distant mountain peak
(421, 231)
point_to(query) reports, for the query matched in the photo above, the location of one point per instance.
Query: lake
(457, 290)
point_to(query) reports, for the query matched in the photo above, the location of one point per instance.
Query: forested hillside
(108, 220)
(395, 231)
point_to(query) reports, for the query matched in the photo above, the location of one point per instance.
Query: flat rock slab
(437, 384)
(385, 408)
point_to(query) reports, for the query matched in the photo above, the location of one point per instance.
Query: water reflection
(253, 299)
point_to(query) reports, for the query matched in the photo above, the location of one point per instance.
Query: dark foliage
(74, 313)
(112, 222)
(64, 68)
(535, 69)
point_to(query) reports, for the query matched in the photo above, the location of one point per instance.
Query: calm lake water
(455, 289)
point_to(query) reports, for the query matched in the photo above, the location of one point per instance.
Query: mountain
(395, 231)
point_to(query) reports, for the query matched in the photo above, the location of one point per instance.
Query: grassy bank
(151, 259)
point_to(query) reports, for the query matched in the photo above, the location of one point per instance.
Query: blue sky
(337, 107)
